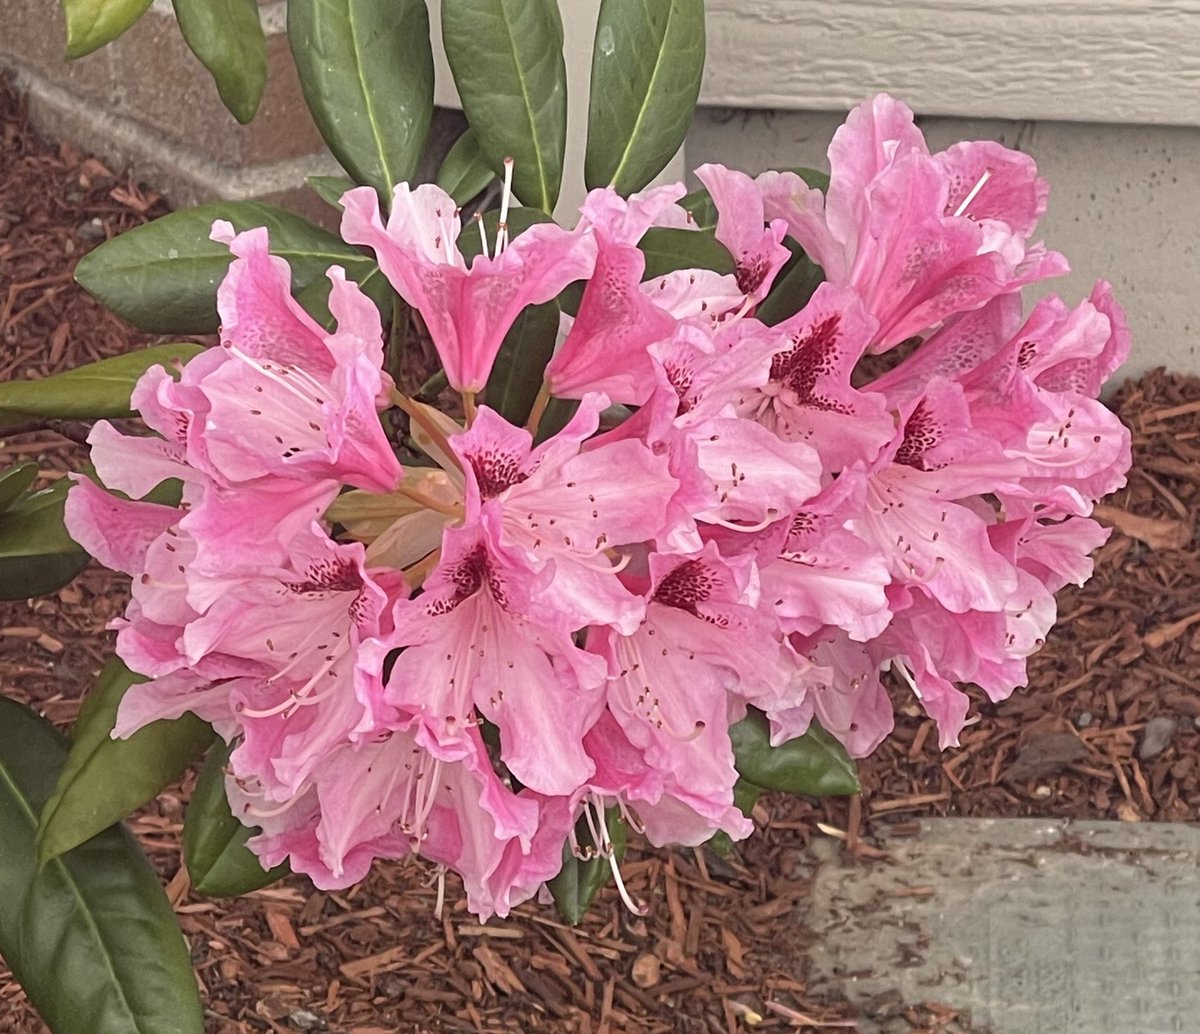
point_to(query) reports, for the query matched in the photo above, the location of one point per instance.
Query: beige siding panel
(1130, 61)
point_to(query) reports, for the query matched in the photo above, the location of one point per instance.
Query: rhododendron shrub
(435, 632)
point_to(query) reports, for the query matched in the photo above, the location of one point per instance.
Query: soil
(1109, 728)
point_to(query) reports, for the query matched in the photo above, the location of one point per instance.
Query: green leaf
(163, 276)
(330, 188)
(36, 553)
(15, 481)
(517, 374)
(794, 286)
(92, 23)
(315, 298)
(745, 796)
(104, 779)
(700, 204)
(465, 172)
(815, 178)
(667, 249)
(99, 389)
(578, 882)
(89, 935)
(646, 70)
(814, 764)
(507, 60)
(366, 69)
(214, 842)
(519, 220)
(227, 37)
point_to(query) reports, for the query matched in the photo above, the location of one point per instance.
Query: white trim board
(1125, 61)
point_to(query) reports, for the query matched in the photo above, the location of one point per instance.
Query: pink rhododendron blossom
(887, 229)
(676, 683)
(528, 633)
(468, 309)
(470, 646)
(758, 253)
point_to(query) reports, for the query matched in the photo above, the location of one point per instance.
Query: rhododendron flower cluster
(462, 658)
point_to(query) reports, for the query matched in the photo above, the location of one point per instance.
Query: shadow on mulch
(1108, 730)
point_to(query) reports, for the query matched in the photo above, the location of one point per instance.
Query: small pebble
(92, 230)
(646, 971)
(303, 1019)
(1156, 737)
(1084, 719)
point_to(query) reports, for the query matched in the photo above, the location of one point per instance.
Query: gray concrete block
(1034, 926)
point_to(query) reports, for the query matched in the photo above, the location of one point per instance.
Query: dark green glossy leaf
(700, 205)
(14, 482)
(507, 60)
(36, 553)
(667, 249)
(214, 842)
(793, 287)
(99, 389)
(646, 70)
(745, 796)
(517, 374)
(104, 779)
(815, 178)
(814, 764)
(578, 882)
(465, 172)
(519, 220)
(366, 69)
(227, 37)
(329, 188)
(163, 276)
(315, 298)
(558, 414)
(92, 23)
(89, 935)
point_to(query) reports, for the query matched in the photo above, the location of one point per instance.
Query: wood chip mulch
(1109, 729)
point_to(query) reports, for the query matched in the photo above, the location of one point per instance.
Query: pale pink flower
(568, 509)
(681, 679)
(888, 231)
(467, 309)
(809, 398)
(469, 647)
(758, 252)
(291, 399)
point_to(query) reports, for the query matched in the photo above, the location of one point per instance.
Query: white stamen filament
(340, 649)
(611, 855)
(505, 200)
(290, 386)
(987, 175)
(766, 522)
(899, 668)
(441, 892)
(478, 220)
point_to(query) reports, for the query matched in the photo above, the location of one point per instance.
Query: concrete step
(1034, 926)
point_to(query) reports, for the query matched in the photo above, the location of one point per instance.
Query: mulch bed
(1109, 729)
